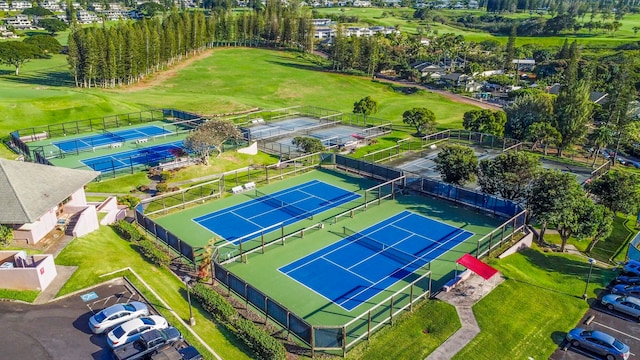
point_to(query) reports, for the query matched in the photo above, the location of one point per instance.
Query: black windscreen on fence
(186, 250)
(470, 197)
(236, 284)
(367, 167)
(173, 241)
(277, 312)
(161, 233)
(328, 337)
(256, 298)
(150, 225)
(300, 328)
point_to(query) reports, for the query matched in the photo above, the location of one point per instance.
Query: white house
(38, 199)
(6, 34)
(361, 3)
(85, 17)
(4, 6)
(19, 22)
(20, 5)
(51, 5)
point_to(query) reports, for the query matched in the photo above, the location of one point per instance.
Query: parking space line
(616, 330)
(622, 317)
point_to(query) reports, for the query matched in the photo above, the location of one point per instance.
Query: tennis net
(113, 135)
(283, 206)
(400, 256)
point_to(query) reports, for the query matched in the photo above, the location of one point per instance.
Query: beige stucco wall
(78, 198)
(37, 277)
(35, 231)
(87, 222)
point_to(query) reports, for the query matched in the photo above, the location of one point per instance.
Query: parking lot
(59, 330)
(619, 325)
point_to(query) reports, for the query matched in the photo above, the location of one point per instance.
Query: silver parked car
(115, 315)
(625, 304)
(600, 343)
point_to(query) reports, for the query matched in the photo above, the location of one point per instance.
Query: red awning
(477, 266)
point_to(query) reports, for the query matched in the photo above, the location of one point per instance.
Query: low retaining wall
(525, 242)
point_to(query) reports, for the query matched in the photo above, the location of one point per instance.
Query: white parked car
(132, 329)
(115, 315)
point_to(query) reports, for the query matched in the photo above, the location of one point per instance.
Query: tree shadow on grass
(558, 337)
(49, 78)
(297, 65)
(569, 266)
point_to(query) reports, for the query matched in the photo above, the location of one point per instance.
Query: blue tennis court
(141, 156)
(108, 138)
(238, 223)
(362, 265)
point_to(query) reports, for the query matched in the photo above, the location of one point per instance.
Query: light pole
(591, 262)
(187, 282)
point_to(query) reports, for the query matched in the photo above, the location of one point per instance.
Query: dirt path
(449, 95)
(164, 75)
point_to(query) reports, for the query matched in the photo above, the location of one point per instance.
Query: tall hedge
(146, 247)
(263, 345)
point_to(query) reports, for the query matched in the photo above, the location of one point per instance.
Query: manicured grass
(529, 314)
(230, 79)
(607, 250)
(21, 295)
(413, 336)
(218, 165)
(103, 251)
(402, 18)
(119, 185)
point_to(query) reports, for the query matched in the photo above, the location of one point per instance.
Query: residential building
(51, 5)
(361, 3)
(6, 33)
(85, 17)
(19, 22)
(38, 199)
(463, 81)
(20, 5)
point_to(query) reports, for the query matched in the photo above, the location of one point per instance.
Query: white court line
(342, 267)
(250, 203)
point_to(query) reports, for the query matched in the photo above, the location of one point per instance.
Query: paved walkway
(64, 273)
(463, 297)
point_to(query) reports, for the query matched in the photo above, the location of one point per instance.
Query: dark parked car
(600, 343)
(627, 290)
(628, 280)
(632, 267)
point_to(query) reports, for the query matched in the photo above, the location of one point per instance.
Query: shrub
(263, 345)
(151, 252)
(162, 187)
(129, 200)
(6, 235)
(164, 176)
(127, 230)
(143, 188)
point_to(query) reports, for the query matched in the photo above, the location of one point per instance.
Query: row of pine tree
(125, 53)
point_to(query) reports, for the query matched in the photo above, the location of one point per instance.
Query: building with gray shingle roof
(37, 198)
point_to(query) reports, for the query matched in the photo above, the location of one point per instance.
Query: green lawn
(402, 17)
(230, 79)
(414, 336)
(103, 251)
(611, 249)
(529, 314)
(21, 295)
